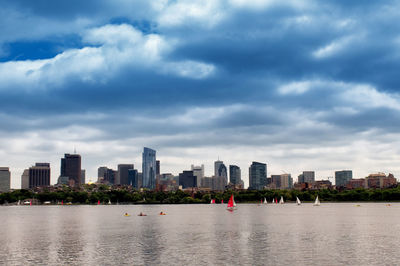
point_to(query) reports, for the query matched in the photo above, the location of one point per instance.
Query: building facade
(5, 179)
(149, 168)
(71, 168)
(199, 172)
(343, 177)
(307, 177)
(39, 175)
(257, 176)
(123, 174)
(187, 179)
(235, 175)
(25, 179)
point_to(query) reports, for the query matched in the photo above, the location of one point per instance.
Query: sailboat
(317, 202)
(212, 201)
(109, 202)
(231, 203)
(298, 201)
(281, 201)
(222, 201)
(265, 201)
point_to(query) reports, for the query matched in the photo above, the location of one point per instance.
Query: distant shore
(103, 195)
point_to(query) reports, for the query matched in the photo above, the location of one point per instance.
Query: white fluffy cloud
(110, 48)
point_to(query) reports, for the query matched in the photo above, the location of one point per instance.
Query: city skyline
(308, 175)
(299, 85)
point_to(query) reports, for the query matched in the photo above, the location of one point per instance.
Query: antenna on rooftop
(74, 150)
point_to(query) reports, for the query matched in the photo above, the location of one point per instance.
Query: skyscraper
(71, 168)
(25, 179)
(39, 175)
(133, 177)
(149, 168)
(234, 174)
(342, 177)
(106, 175)
(83, 176)
(123, 174)
(221, 171)
(257, 175)
(309, 177)
(5, 178)
(217, 164)
(157, 167)
(187, 179)
(199, 172)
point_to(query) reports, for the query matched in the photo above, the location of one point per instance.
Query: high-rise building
(286, 181)
(234, 174)
(199, 172)
(5, 179)
(123, 174)
(187, 179)
(25, 179)
(342, 177)
(133, 178)
(257, 175)
(220, 170)
(217, 164)
(309, 177)
(83, 176)
(39, 175)
(157, 167)
(275, 181)
(71, 168)
(149, 168)
(106, 175)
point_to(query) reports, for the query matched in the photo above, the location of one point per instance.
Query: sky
(299, 85)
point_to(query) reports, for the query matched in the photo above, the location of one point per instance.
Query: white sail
(234, 203)
(317, 202)
(298, 201)
(265, 201)
(281, 201)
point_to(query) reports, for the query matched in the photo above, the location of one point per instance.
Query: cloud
(299, 85)
(113, 47)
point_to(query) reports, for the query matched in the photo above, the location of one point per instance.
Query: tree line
(105, 194)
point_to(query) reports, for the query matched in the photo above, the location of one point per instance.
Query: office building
(39, 175)
(307, 177)
(157, 167)
(25, 179)
(187, 179)
(133, 178)
(198, 171)
(220, 170)
(286, 181)
(83, 176)
(149, 168)
(275, 181)
(71, 168)
(123, 174)
(343, 177)
(234, 175)
(106, 175)
(257, 176)
(5, 179)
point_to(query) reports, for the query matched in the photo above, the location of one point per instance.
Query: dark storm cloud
(254, 52)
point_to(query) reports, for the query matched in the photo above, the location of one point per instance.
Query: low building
(355, 183)
(380, 180)
(322, 184)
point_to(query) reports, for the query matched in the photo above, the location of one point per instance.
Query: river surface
(331, 234)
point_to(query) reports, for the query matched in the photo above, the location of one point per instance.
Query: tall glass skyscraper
(149, 168)
(257, 175)
(234, 174)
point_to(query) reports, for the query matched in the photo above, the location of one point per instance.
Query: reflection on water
(331, 234)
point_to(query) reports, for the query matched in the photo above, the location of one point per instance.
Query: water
(331, 234)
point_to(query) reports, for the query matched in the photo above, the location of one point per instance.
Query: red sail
(230, 202)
